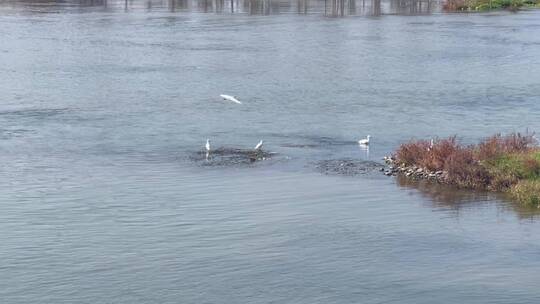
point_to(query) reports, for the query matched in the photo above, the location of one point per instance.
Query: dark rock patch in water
(224, 157)
(33, 112)
(7, 134)
(348, 167)
(299, 146)
(308, 141)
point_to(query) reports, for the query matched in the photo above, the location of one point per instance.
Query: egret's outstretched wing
(259, 145)
(230, 98)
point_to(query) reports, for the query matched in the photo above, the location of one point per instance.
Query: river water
(106, 196)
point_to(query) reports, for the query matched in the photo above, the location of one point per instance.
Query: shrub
(421, 153)
(527, 192)
(465, 171)
(497, 163)
(412, 153)
(494, 146)
(455, 5)
(481, 5)
(508, 169)
(441, 151)
(532, 165)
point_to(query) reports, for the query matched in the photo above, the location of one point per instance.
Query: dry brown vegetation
(499, 163)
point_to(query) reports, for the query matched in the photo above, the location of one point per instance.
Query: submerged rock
(348, 167)
(231, 157)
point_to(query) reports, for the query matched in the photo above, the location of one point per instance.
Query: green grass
(507, 170)
(518, 165)
(525, 168)
(486, 5)
(527, 192)
(482, 5)
(518, 174)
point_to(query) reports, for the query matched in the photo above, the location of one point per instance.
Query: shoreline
(505, 164)
(414, 172)
(475, 6)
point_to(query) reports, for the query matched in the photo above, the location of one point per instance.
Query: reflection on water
(414, 7)
(450, 198)
(364, 151)
(331, 8)
(442, 195)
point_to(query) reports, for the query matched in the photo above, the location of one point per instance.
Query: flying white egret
(207, 146)
(230, 98)
(365, 141)
(258, 147)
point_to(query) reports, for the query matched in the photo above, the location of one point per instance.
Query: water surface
(106, 197)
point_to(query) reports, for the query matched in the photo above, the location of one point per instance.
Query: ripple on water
(348, 167)
(11, 133)
(33, 112)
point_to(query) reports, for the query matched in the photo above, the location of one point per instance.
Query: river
(107, 197)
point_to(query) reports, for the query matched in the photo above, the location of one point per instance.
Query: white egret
(207, 146)
(230, 98)
(258, 147)
(365, 141)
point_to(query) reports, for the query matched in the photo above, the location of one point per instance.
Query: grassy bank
(484, 5)
(499, 163)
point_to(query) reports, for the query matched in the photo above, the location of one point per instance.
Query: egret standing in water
(207, 146)
(230, 98)
(365, 141)
(258, 147)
